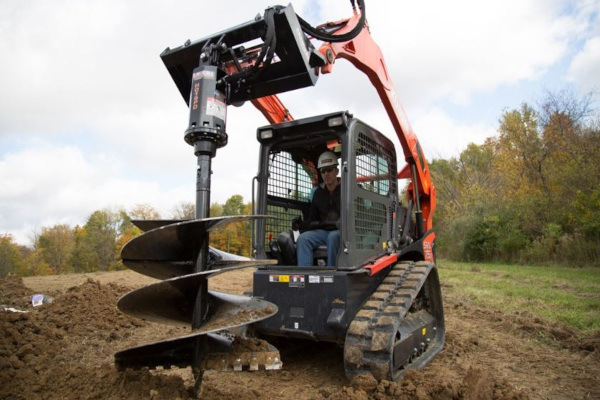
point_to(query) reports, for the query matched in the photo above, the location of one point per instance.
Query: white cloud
(89, 116)
(440, 51)
(585, 67)
(48, 184)
(448, 137)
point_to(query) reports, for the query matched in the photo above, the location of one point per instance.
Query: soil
(64, 349)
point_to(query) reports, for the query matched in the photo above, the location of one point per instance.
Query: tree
(234, 237)
(216, 210)
(56, 244)
(83, 258)
(101, 238)
(11, 257)
(234, 205)
(144, 211)
(184, 210)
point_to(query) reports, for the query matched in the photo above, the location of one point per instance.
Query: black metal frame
(292, 67)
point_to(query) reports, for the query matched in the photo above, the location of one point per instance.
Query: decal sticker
(202, 74)
(296, 280)
(292, 280)
(428, 247)
(216, 108)
(320, 279)
(195, 96)
(279, 278)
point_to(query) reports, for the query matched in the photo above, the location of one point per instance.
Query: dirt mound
(13, 293)
(54, 351)
(65, 349)
(476, 384)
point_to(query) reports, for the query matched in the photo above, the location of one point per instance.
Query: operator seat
(285, 249)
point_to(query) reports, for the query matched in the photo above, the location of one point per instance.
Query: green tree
(11, 257)
(56, 244)
(101, 237)
(234, 237)
(216, 210)
(234, 205)
(83, 258)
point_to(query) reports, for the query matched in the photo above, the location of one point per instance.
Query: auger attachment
(178, 253)
(166, 252)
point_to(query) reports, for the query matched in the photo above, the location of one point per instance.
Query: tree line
(96, 245)
(530, 194)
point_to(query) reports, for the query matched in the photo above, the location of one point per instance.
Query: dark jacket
(325, 208)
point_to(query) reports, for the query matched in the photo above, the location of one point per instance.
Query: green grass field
(565, 294)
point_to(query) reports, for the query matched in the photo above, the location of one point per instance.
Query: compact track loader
(381, 300)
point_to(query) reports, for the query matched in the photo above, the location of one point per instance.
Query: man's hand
(296, 223)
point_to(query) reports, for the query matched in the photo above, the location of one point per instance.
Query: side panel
(370, 195)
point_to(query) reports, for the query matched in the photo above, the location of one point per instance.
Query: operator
(324, 215)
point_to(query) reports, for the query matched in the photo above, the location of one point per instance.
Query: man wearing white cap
(324, 215)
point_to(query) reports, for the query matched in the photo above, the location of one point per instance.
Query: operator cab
(288, 176)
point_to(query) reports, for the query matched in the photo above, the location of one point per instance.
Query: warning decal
(279, 278)
(216, 108)
(320, 279)
(296, 280)
(293, 280)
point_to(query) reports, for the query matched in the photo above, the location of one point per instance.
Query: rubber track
(371, 335)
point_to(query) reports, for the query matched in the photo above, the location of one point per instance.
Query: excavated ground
(64, 350)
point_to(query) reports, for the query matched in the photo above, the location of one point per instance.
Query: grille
(373, 170)
(375, 173)
(289, 191)
(287, 179)
(369, 218)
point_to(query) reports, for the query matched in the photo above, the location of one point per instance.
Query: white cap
(327, 159)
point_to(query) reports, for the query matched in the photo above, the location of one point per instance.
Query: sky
(90, 118)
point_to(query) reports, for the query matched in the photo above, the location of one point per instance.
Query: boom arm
(224, 72)
(365, 55)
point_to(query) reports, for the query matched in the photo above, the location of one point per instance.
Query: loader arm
(364, 53)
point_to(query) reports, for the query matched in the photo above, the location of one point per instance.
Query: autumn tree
(56, 244)
(11, 256)
(233, 237)
(531, 193)
(98, 240)
(184, 210)
(143, 211)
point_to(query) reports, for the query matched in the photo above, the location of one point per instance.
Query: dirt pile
(476, 384)
(65, 350)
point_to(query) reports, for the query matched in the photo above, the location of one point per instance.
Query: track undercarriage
(400, 327)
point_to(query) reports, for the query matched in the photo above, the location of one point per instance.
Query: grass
(564, 294)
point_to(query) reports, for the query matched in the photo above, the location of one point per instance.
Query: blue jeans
(310, 240)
